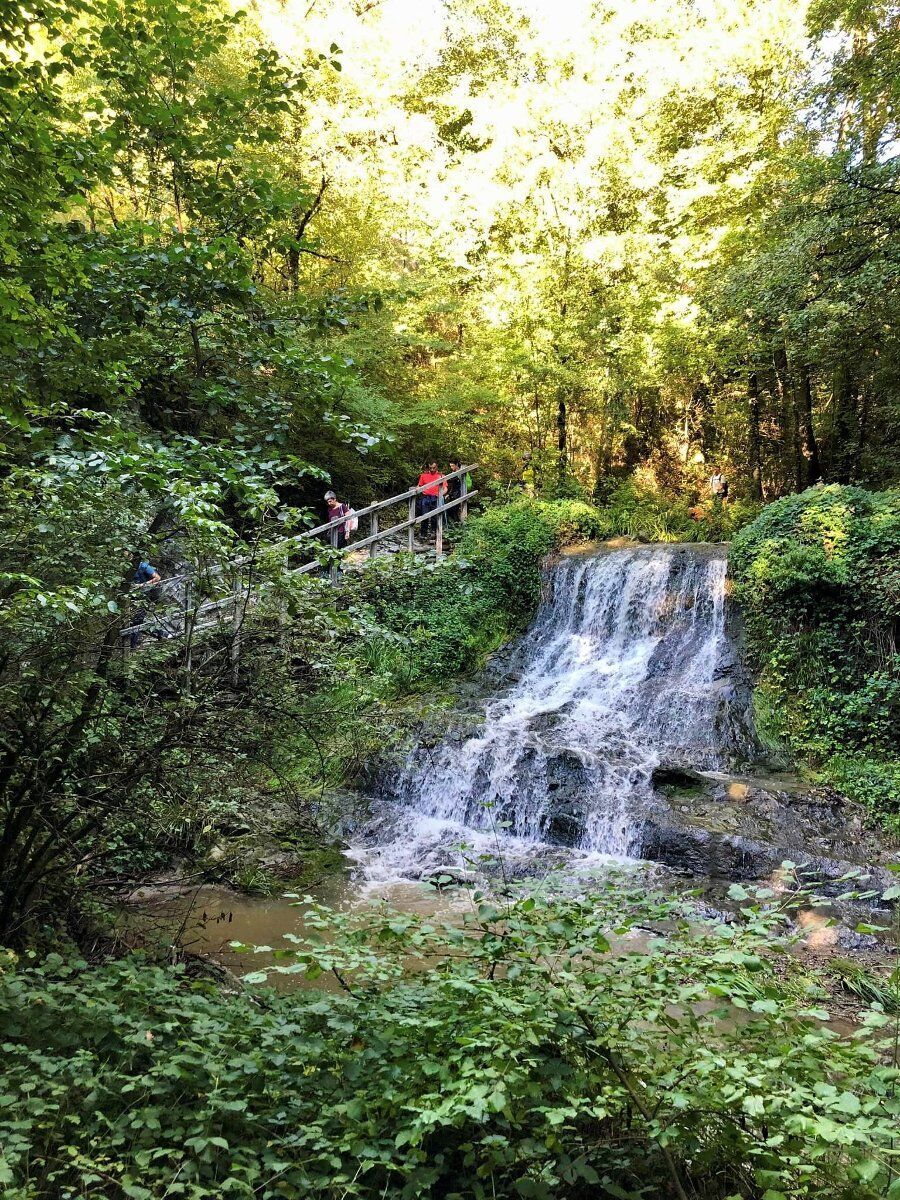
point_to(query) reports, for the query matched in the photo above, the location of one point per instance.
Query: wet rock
(568, 796)
(678, 779)
(745, 827)
(849, 939)
(564, 828)
(716, 855)
(444, 877)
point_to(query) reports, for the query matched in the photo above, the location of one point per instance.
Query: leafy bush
(508, 544)
(818, 578)
(532, 1061)
(636, 508)
(872, 782)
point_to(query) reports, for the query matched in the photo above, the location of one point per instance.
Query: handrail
(329, 525)
(185, 614)
(365, 512)
(383, 534)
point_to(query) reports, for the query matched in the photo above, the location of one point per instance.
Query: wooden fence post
(463, 491)
(439, 532)
(333, 539)
(373, 530)
(411, 530)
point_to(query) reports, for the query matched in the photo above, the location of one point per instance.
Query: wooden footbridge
(188, 613)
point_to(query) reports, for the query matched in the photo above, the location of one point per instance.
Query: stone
(444, 877)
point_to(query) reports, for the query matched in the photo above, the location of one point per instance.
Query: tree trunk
(865, 405)
(562, 440)
(845, 428)
(755, 436)
(810, 444)
(792, 459)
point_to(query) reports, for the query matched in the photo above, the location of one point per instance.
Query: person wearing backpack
(341, 533)
(146, 578)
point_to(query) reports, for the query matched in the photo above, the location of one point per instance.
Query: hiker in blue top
(146, 573)
(147, 577)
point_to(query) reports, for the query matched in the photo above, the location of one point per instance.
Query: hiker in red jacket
(432, 496)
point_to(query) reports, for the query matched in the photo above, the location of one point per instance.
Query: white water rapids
(628, 666)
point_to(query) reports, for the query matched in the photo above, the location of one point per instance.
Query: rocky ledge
(743, 827)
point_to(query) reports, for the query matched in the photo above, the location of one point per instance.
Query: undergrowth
(818, 579)
(635, 508)
(545, 1054)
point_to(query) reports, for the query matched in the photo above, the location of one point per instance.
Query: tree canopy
(573, 245)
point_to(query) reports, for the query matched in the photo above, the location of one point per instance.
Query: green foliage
(817, 578)
(508, 543)
(547, 1053)
(872, 782)
(637, 508)
(425, 621)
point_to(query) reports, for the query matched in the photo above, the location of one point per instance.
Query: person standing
(432, 494)
(718, 485)
(454, 491)
(146, 577)
(338, 535)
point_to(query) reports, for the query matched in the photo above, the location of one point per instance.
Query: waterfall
(628, 665)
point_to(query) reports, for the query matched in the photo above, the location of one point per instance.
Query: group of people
(436, 492)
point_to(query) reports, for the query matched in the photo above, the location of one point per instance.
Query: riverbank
(816, 578)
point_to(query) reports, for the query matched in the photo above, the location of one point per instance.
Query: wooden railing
(187, 618)
(374, 511)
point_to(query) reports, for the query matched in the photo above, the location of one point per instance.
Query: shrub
(636, 508)
(818, 578)
(425, 622)
(532, 1061)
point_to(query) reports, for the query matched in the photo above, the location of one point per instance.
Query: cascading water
(628, 666)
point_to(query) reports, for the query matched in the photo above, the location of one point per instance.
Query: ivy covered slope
(532, 1060)
(818, 577)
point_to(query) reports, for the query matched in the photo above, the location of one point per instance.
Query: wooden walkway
(185, 618)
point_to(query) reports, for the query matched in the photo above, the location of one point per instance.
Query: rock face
(568, 790)
(744, 827)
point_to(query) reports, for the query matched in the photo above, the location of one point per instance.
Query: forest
(578, 820)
